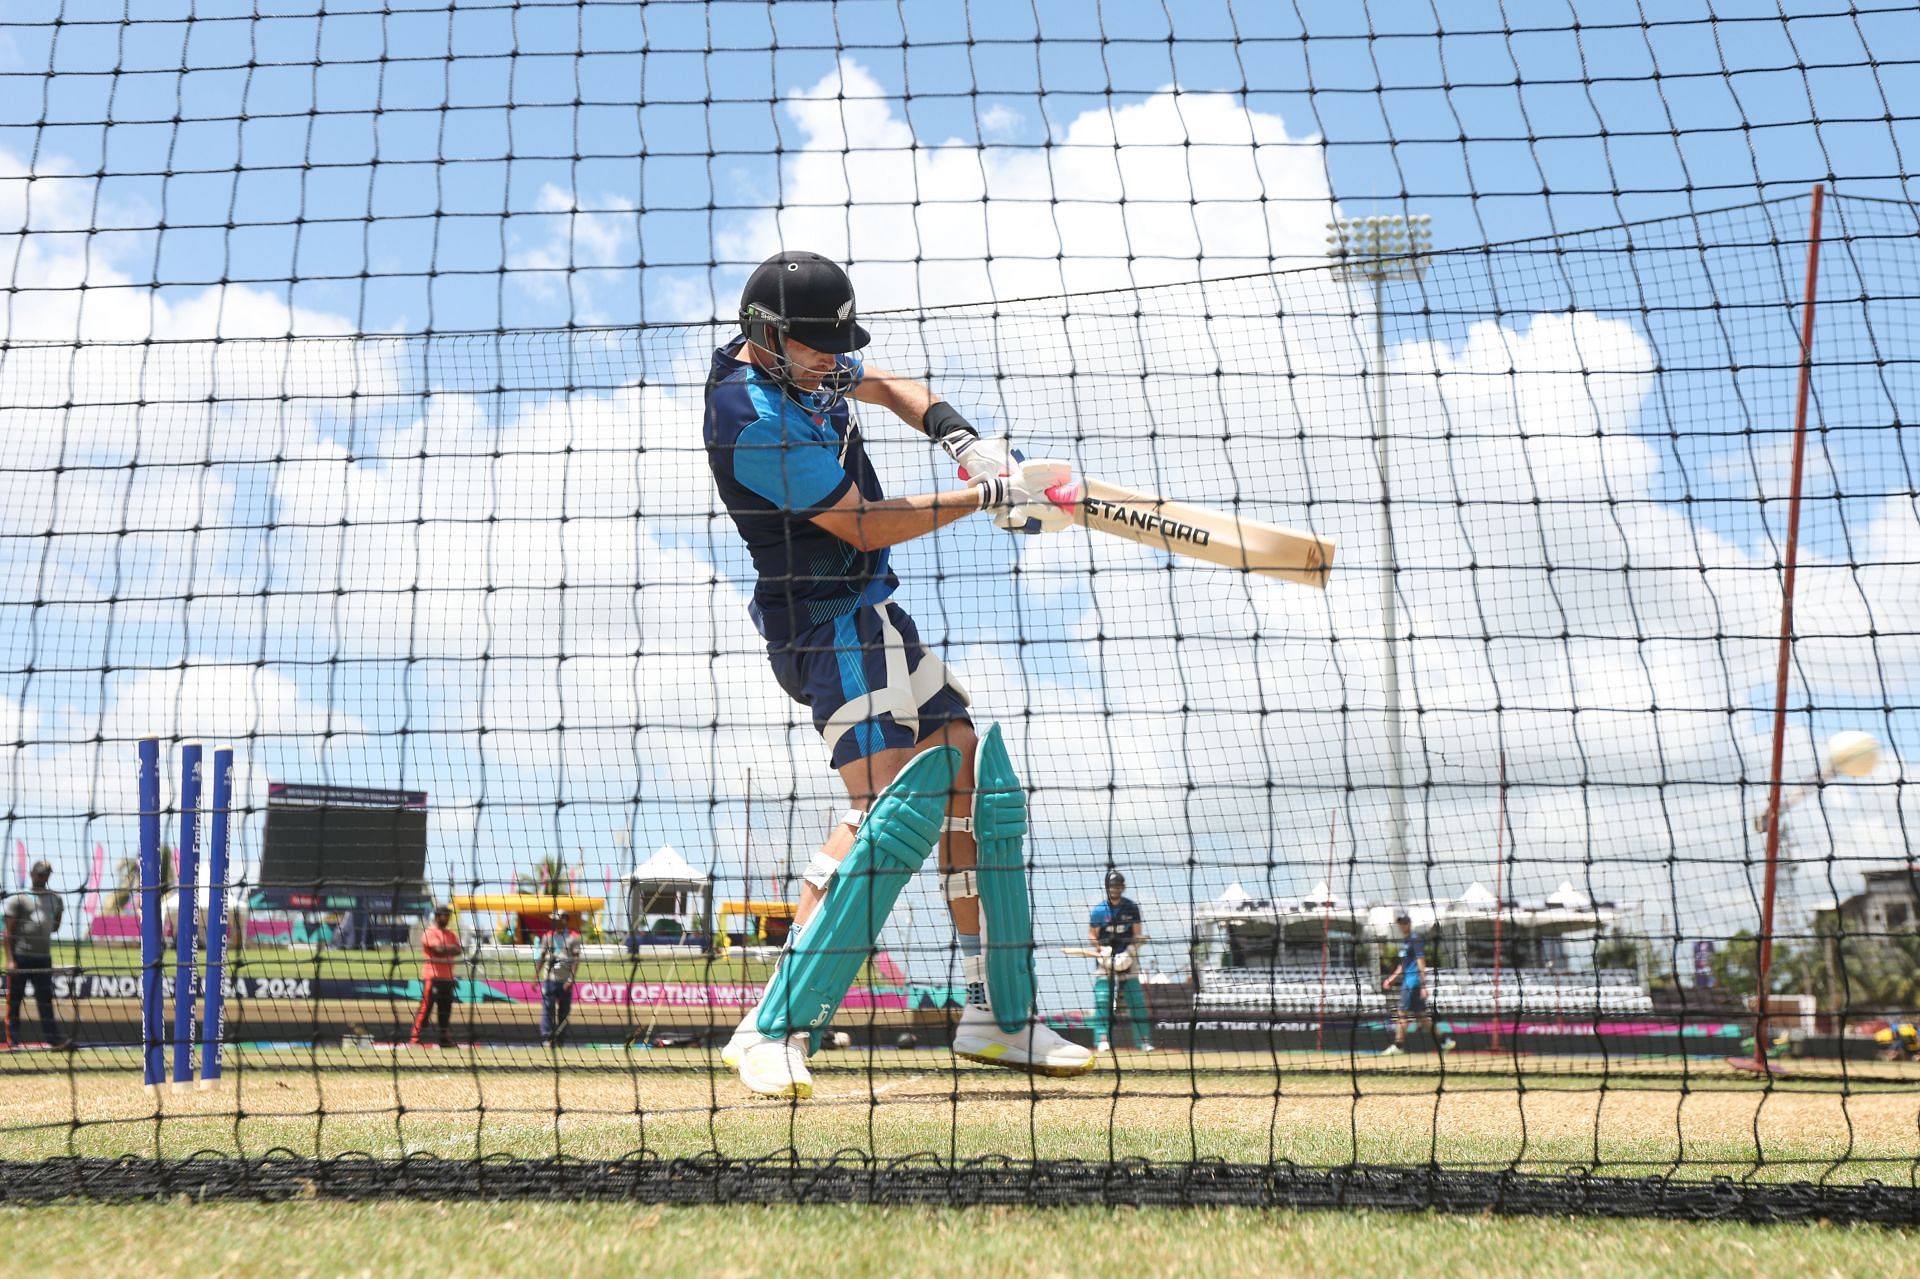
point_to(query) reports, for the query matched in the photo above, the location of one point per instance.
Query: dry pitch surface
(1693, 1119)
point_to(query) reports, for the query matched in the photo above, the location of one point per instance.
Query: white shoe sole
(797, 1090)
(1004, 1056)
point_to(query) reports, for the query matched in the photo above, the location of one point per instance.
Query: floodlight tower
(1382, 250)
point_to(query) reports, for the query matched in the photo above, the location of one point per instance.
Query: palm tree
(548, 878)
(1879, 973)
(126, 882)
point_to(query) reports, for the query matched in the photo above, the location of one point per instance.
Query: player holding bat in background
(791, 468)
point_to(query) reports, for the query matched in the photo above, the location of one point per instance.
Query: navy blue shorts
(1413, 999)
(870, 683)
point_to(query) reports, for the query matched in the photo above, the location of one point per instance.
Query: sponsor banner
(663, 994)
(680, 994)
(127, 986)
(1630, 1029)
(1704, 1038)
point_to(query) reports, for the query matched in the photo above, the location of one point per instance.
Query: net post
(186, 907)
(152, 1049)
(213, 1010)
(1803, 394)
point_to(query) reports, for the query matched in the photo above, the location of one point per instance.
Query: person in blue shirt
(1409, 976)
(790, 463)
(1117, 933)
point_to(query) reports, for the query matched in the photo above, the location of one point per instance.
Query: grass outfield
(1696, 1121)
(288, 1241)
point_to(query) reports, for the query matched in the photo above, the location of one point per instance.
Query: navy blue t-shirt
(1115, 925)
(779, 459)
(1413, 948)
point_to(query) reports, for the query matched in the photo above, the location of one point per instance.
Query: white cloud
(1165, 189)
(1622, 696)
(421, 540)
(551, 244)
(999, 120)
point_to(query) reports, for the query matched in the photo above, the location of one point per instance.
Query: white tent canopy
(668, 871)
(1477, 897)
(677, 897)
(1567, 897)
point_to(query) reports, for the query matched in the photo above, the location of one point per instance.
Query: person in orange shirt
(439, 947)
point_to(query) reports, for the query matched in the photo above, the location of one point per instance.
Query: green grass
(291, 1240)
(1163, 1108)
(677, 1104)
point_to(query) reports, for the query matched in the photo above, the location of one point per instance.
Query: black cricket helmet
(805, 297)
(808, 298)
(1116, 880)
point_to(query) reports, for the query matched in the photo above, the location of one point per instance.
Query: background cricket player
(439, 948)
(555, 965)
(1117, 932)
(790, 466)
(1410, 975)
(30, 919)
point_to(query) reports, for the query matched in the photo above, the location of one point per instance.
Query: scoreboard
(344, 838)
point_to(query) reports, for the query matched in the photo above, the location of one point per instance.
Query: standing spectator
(439, 947)
(31, 920)
(555, 964)
(1117, 931)
(1410, 973)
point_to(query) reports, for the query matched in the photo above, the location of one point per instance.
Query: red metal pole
(1786, 632)
(1499, 900)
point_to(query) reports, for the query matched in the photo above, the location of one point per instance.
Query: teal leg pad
(1102, 1001)
(901, 828)
(1137, 1010)
(1000, 833)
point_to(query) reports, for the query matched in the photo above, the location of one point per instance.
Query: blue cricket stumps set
(153, 1030)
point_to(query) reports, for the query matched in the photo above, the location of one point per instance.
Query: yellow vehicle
(761, 924)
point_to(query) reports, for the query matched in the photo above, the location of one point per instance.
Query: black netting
(352, 377)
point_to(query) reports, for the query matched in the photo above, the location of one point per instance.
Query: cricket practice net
(364, 559)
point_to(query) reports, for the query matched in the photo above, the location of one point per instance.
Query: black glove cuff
(948, 429)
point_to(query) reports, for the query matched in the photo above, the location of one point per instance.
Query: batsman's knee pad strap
(1006, 920)
(959, 885)
(820, 871)
(899, 832)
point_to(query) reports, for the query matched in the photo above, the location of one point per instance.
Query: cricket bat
(1184, 529)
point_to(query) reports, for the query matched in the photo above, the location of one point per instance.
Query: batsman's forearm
(891, 521)
(906, 398)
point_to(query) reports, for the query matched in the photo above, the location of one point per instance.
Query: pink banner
(20, 859)
(685, 994)
(96, 879)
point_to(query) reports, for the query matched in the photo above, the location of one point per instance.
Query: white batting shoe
(1035, 1049)
(777, 1067)
(745, 1036)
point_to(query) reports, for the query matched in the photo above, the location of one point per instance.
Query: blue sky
(419, 147)
(255, 169)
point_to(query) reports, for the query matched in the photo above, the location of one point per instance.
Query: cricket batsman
(791, 468)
